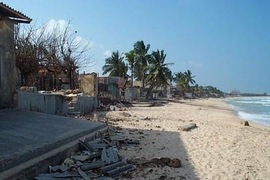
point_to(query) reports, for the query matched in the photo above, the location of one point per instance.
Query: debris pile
(97, 159)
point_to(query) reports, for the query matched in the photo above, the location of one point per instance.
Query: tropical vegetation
(40, 51)
(153, 71)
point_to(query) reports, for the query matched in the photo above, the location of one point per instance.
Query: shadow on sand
(155, 142)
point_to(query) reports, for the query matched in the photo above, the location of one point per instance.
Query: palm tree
(159, 73)
(130, 57)
(141, 61)
(181, 83)
(115, 65)
(183, 80)
(189, 77)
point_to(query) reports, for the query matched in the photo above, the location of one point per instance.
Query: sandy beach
(219, 148)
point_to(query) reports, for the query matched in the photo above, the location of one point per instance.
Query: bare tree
(28, 50)
(54, 49)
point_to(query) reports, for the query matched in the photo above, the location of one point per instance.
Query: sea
(256, 109)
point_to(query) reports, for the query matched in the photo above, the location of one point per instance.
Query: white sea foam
(265, 102)
(252, 108)
(258, 118)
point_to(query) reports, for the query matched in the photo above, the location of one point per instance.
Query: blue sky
(226, 44)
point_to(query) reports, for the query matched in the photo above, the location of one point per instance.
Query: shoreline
(256, 124)
(219, 148)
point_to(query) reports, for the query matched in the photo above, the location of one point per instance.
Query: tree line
(153, 71)
(58, 51)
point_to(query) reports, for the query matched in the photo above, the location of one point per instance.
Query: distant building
(8, 72)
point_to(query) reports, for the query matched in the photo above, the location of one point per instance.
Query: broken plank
(83, 174)
(80, 157)
(112, 166)
(94, 155)
(61, 168)
(120, 170)
(106, 141)
(99, 145)
(93, 165)
(87, 146)
(132, 141)
(59, 175)
(51, 178)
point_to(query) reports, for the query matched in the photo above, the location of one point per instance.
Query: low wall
(86, 104)
(132, 94)
(46, 103)
(54, 103)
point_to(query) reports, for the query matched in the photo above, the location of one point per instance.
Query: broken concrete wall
(132, 94)
(8, 72)
(88, 84)
(46, 103)
(86, 104)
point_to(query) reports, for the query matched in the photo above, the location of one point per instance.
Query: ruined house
(88, 84)
(8, 73)
(112, 87)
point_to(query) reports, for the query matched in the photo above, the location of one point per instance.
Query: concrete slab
(25, 135)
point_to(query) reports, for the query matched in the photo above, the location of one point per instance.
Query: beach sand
(219, 148)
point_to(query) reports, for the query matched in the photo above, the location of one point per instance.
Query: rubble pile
(97, 159)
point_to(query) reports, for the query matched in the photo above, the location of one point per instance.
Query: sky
(225, 44)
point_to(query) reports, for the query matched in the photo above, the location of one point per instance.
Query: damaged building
(9, 17)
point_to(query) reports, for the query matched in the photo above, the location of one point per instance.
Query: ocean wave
(258, 118)
(263, 102)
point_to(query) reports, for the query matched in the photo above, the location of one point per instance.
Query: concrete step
(27, 135)
(40, 164)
